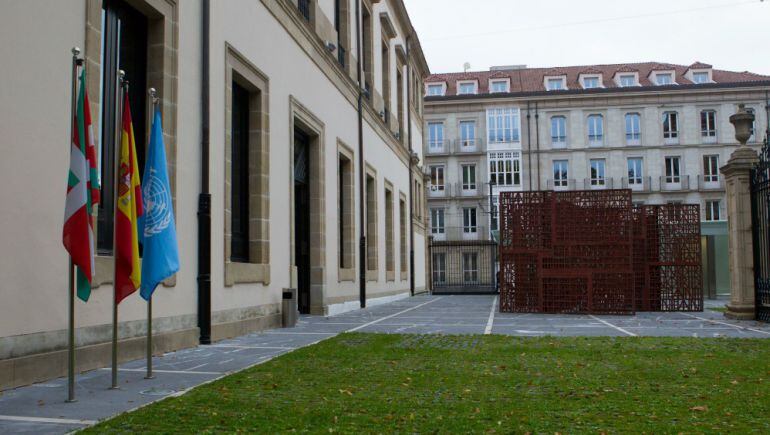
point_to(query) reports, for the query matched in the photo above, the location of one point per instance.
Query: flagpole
(70, 268)
(153, 103)
(122, 82)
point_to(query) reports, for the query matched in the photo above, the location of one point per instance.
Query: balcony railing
(598, 183)
(479, 232)
(438, 147)
(474, 145)
(674, 184)
(304, 8)
(637, 184)
(711, 182)
(562, 184)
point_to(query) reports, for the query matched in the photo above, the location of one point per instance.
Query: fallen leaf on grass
(701, 408)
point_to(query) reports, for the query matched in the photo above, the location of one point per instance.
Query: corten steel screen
(593, 252)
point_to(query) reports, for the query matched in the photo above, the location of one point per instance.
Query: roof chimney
(507, 67)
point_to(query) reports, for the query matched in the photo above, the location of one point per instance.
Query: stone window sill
(373, 275)
(246, 273)
(347, 274)
(390, 275)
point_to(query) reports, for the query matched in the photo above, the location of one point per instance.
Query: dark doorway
(302, 218)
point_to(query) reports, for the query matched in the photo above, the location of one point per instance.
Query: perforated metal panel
(593, 252)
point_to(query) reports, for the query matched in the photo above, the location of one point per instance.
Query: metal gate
(760, 223)
(593, 252)
(463, 267)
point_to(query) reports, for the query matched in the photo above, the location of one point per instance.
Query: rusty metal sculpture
(593, 252)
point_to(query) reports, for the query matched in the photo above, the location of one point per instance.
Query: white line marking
(166, 371)
(226, 361)
(191, 369)
(238, 346)
(488, 329)
(728, 324)
(613, 326)
(392, 315)
(299, 333)
(47, 420)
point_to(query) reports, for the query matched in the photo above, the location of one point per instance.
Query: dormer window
(466, 88)
(435, 90)
(627, 80)
(664, 78)
(555, 83)
(700, 77)
(498, 86)
(591, 82)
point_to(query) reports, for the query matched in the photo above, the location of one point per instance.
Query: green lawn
(364, 383)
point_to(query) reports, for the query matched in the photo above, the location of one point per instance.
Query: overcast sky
(728, 34)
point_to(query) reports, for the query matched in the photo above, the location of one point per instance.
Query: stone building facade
(661, 130)
(271, 89)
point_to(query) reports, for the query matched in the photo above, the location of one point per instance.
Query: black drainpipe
(362, 169)
(529, 147)
(537, 143)
(204, 199)
(409, 140)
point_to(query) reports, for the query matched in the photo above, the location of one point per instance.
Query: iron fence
(467, 267)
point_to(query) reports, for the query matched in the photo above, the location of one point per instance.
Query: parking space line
(47, 420)
(488, 329)
(144, 369)
(612, 326)
(728, 324)
(238, 346)
(393, 315)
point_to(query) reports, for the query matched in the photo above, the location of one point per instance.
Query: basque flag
(160, 257)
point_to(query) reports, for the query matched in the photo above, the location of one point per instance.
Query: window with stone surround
(390, 263)
(247, 175)
(345, 208)
(371, 220)
(402, 233)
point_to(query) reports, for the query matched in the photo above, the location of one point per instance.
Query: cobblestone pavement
(40, 408)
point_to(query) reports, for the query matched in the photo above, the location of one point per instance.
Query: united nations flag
(156, 228)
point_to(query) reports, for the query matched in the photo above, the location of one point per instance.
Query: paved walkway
(40, 408)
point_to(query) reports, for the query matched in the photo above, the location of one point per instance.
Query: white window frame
(694, 74)
(470, 220)
(658, 74)
(634, 80)
(469, 174)
(600, 180)
(672, 169)
(437, 220)
(712, 210)
(494, 220)
(711, 170)
(503, 125)
(672, 135)
(468, 141)
(548, 80)
(595, 140)
(634, 133)
(436, 145)
(560, 139)
(439, 267)
(440, 175)
(708, 132)
(560, 174)
(635, 172)
(505, 164)
(474, 84)
(470, 267)
(753, 124)
(506, 86)
(429, 86)
(596, 77)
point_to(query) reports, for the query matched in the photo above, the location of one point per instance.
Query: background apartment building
(260, 105)
(659, 129)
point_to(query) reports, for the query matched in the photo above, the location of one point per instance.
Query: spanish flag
(128, 270)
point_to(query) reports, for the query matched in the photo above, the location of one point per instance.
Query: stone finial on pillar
(737, 173)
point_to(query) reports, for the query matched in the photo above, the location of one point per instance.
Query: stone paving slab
(40, 408)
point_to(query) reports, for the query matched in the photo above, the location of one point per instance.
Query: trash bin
(289, 312)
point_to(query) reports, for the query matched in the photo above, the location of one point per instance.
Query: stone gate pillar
(737, 174)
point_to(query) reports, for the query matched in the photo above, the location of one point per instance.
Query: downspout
(411, 164)
(529, 147)
(204, 198)
(361, 169)
(537, 143)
